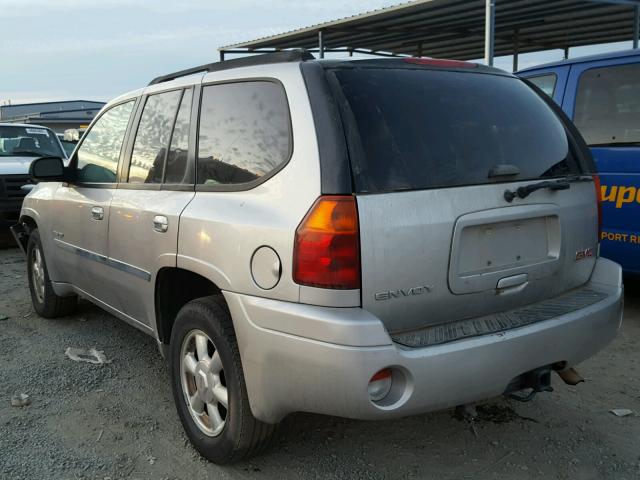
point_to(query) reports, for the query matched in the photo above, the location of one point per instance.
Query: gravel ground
(118, 420)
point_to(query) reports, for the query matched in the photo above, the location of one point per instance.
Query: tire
(45, 301)
(240, 435)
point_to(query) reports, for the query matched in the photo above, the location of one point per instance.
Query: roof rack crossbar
(295, 55)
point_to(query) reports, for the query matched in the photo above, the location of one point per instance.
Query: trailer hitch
(537, 380)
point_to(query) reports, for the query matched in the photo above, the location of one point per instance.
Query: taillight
(326, 252)
(596, 182)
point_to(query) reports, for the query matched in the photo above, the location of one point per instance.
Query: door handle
(160, 223)
(97, 213)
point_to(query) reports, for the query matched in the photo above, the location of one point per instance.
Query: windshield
(410, 129)
(28, 142)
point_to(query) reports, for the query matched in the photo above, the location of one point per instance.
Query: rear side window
(546, 83)
(152, 138)
(244, 132)
(607, 110)
(99, 152)
(413, 129)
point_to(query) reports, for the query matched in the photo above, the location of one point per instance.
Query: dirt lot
(118, 420)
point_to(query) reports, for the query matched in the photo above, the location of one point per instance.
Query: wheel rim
(203, 383)
(37, 274)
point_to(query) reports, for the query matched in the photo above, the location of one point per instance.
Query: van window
(177, 171)
(244, 132)
(99, 152)
(410, 129)
(546, 83)
(152, 138)
(607, 110)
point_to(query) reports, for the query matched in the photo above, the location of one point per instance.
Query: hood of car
(15, 165)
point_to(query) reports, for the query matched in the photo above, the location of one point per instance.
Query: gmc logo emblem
(582, 254)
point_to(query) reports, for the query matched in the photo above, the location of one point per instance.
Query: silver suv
(369, 239)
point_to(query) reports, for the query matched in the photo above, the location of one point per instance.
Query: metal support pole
(320, 44)
(636, 25)
(222, 55)
(516, 48)
(566, 53)
(489, 31)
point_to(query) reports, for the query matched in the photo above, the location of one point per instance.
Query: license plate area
(490, 245)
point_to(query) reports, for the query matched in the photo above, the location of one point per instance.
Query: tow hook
(570, 376)
(21, 236)
(538, 380)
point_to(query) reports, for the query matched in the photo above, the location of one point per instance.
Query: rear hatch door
(433, 151)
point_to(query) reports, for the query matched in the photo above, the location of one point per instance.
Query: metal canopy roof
(456, 28)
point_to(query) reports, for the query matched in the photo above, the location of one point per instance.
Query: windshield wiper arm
(526, 190)
(560, 184)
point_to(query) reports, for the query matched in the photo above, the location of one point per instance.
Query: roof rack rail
(295, 55)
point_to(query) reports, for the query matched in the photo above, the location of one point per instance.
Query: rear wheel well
(176, 287)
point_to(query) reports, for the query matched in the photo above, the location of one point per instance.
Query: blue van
(601, 94)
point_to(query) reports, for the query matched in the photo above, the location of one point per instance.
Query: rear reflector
(441, 62)
(596, 182)
(380, 384)
(326, 252)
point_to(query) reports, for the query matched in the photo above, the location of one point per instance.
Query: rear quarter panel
(220, 231)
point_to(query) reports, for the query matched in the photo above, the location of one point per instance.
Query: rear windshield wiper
(561, 184)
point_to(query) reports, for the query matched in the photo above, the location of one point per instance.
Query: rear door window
(546, 83)
(411, 129)
(607, 110)
(244, 132)
(152, 138)
(177, 170)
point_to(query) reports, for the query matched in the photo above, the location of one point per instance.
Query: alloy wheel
(203, 383)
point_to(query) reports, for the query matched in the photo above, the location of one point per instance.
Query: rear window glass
(414, 129)
(607, 110)
(244, 132)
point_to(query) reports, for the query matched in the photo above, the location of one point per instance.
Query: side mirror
(47, 169)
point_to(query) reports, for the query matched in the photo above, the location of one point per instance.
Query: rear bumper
(316, 359)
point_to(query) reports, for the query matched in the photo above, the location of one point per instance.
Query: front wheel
(45, 301)
(208, 384)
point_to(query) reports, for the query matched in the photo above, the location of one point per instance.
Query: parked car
(369, 239)
(19, 146)
(601, 94)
